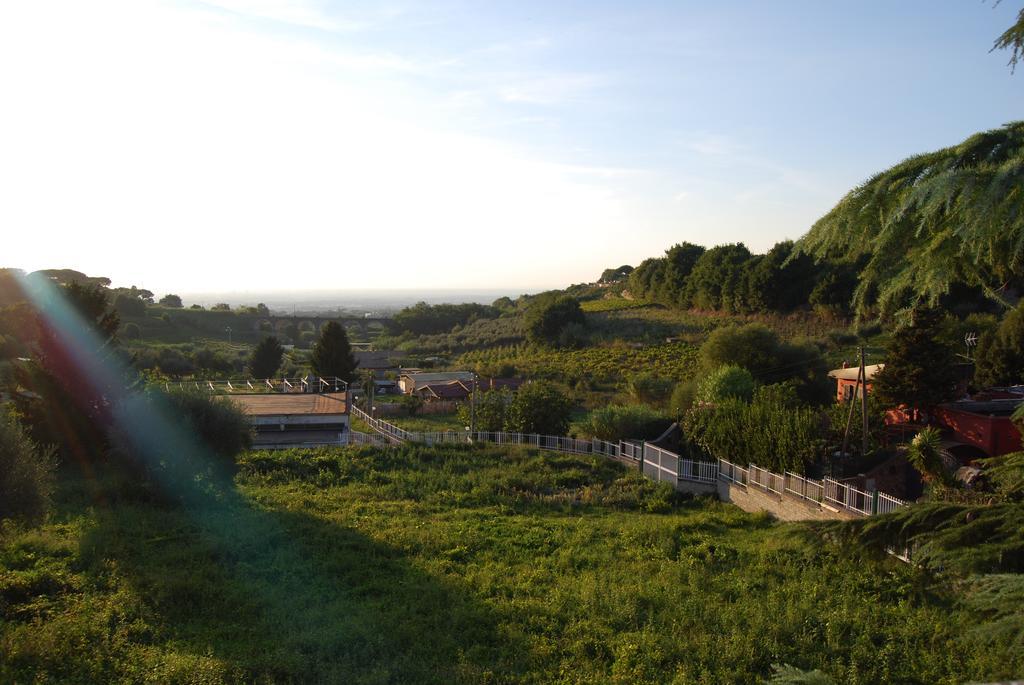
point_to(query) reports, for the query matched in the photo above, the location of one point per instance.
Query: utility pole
(472, 409)
(853, 404)
(864, 404)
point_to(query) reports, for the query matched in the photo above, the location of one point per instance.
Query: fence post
(874, 502)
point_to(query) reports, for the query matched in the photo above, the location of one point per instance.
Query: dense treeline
(729, 278)
(426, 319)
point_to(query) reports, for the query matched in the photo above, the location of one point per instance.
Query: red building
(985, 425)
(846, 380)
(973, 428)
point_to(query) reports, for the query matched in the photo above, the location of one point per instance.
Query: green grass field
(456, 565)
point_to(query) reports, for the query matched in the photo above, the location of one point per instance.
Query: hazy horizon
(351, 299)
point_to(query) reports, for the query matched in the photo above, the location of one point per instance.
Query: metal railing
(888, 503)
(631, 450)
(240, 386)
(804, 488)
(848, 497)
(659, 464)
(765, 479)
(732, 473)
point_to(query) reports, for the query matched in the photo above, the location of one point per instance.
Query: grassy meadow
(455, 565)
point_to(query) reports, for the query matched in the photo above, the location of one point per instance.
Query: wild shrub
(649, 387)
(620, 422)
(773, 431)
(725, 382)
(172, 439)
(26, 472)
(539, 407)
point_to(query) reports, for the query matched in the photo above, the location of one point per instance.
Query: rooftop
(850, 373)
(440, 376)
(291, 404)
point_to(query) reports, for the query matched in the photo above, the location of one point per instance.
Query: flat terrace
(292, 404)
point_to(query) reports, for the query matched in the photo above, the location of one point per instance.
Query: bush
(208, 359)
(622, 422)
(683, 397)
(26, 473)
(647, 387)
(772, 431)
(726, 382)
(131, 331)
(173, 363)
(411, 404)
(539, 407)
(172, 439)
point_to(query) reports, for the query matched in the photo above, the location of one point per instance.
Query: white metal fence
(247, 386)
(804, 488)
(659, 464)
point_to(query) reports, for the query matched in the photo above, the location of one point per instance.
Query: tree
(680, 261)
(491, 410)
(332, 354)
(129, 305)
(425, 319)
(266, 358)
(171, 301)
(1000, 355)
(935, 219)
(221, 307)
(616, 275)
(73, 342)
(777, 282)
(646, 279)
(539, 407)
(920, 370)
(758, 349)
(716, 278)
(550, 315)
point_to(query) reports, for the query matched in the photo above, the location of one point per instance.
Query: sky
(229, 145)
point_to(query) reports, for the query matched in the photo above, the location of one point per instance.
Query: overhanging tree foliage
(935, 219)
(1013, 40)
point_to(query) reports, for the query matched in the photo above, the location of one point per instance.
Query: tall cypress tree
(332, 354)
(920, 369)
(266, 358)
